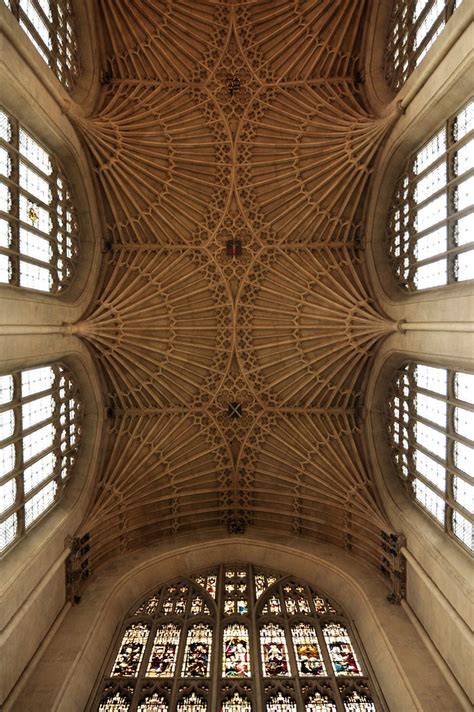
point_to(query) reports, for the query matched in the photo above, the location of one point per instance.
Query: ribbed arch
(237, 638)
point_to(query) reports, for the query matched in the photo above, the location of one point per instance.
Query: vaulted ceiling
(235, 380)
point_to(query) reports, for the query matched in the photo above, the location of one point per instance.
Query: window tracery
(431, 219)
(414, 27)
(39, 241)
(40, 432)
(287, 649)
(430, 422)
(50, 26)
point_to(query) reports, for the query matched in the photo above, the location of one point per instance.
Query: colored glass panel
(308, 655)
(209, 583)
(236, 703)
(198, 651)
(322, 606)
(263, 582)
(274, 651)
(128, 660)
(192, 703)
(272, 606)
(149, 607)
(198, 605)
(319, 703)
(340, 649)
(164, 652)
(355, 702)
(281, 703)
(154, 703)
(115, 703)
(236, 654)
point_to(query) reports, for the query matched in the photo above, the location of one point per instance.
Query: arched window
(430, 420)
(39, 240)
(236, 639)
(430, 228)
(40, 430)
(414, 26)
(50, 26)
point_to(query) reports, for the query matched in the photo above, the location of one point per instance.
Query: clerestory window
(50, 26)
(430, 423)
(414, 27)
(40, 432)
(430, 226)
(236, 638)
(39, 237)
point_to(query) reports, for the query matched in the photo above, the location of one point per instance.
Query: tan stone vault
(233, 146)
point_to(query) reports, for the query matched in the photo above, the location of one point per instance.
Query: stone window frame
(401, 439)
(59, 49)
(64, 234)
(402, 55)
(401, 235)
(67, 418)
(216, 689)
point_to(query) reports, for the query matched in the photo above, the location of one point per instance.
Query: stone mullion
(450, 440)
(14, 223)
(254, 642)
(215, 680)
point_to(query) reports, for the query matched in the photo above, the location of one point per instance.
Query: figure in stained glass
(236, 661)
(130, 655)
(236, 703)
(165, 649)
(308, 654)
(281, 703)
(180, 668)
(198, 651)
(340, 650)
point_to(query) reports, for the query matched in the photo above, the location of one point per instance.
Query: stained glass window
(181, 649)
(430, 227)
(414, 27)
(192, 703)
(308, 655)
(50, 26)
(237, 703)
(430, 424)
(40, 431)
(236, 662)
(165, 650)
(39, 239)
(340, 649)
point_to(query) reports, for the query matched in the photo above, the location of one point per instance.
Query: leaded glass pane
(355, 702)
(162, 662)
(237, 703)
(154, 703)
(319, 703)
(308, 655)
(197, 659)
(435, 457)
(281, 703)
(50, 26)
(115, 703)
(340, 649)
(414, 27)
(429, 222)
(165, 659)
(39, 435)
(130, 655)
(236, 651)
(192, 703)
(274, 651)
(39, 242)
